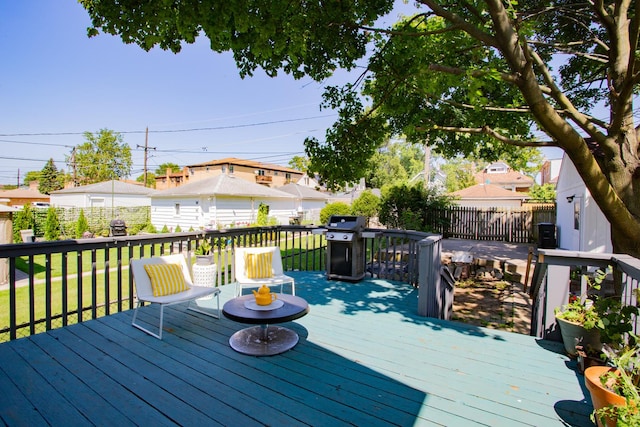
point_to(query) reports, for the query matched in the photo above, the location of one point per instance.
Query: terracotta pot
(600, 396)
(574, 333)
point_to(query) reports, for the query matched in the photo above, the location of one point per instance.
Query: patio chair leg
(142, 328)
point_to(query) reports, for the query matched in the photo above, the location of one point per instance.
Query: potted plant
(203, 253)
(614, 389)
(579, 319)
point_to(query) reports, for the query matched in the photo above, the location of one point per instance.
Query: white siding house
(218, 202)
(307, 203)
(581, 224)
(103, 195)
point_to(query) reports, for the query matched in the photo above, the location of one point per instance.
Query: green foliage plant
(50, 178)
(23, 220)
(178, 229)
(263, 215)
(407, 207)
(583, 310)
(103, 156)
(204, 248)
(545, 193)
(52, 225)
(366, 205)
(165, 229)
(336, 208)
(81, 225)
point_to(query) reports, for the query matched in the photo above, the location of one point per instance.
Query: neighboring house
(489, 196)
(23, 196)
(500, 174)
(308, 202)
(257, 172)
(220, 201)
(351, 194)
(172, 179)
(308, 181)
(103, 195)
(581, 225)
(549, 171)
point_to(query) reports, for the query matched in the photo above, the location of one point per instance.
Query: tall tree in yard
(475, 77)
(102, 157)
(50, 178)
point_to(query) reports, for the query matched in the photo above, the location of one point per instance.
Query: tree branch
(564, 48)
(465, 26)
(486, 130)
(509, 78)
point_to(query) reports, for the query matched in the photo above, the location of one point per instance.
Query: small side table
(265, 339)
(204, 275)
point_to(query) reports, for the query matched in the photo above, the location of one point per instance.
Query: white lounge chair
(248, 276)
(190, 292)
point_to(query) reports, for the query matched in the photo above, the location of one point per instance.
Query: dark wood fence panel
(514, 225)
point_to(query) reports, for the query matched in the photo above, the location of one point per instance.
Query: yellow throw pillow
(258, 266)
(166, 279)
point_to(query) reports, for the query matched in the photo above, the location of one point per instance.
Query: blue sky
(54, 79)
(56, 83)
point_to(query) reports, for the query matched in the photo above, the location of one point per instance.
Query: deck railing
(553, 283)
(71, 281)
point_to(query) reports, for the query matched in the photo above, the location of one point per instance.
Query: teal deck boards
(365, 358)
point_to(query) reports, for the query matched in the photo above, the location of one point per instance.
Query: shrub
(337, 208)
(178, 229)
(407, 208)
(52, 225)
(81, 225)
(263, 215)
(366, 205)
(23, 220)
(165, 229)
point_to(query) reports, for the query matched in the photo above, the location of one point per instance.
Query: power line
(173, 130)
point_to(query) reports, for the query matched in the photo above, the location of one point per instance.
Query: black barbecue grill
(345, 247)
(118, 227)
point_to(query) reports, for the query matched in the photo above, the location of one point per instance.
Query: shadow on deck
(364, 358)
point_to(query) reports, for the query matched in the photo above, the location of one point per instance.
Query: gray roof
(223, 185)
(117, 187)
(303, 192)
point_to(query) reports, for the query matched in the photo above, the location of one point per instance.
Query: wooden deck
(364, 358)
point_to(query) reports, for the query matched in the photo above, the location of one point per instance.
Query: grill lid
(346, 223)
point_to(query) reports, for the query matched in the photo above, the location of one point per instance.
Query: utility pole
(146, 149)
(72, 163)
(427, 163)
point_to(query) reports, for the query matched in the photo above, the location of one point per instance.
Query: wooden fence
(514, 225)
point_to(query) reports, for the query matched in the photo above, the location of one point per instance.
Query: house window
(177, 208)
(230, 168)
(276, 173)
(224, 169)
(261, 172)
(287, 176)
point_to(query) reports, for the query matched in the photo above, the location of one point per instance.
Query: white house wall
(215, 212)
(581, 224)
